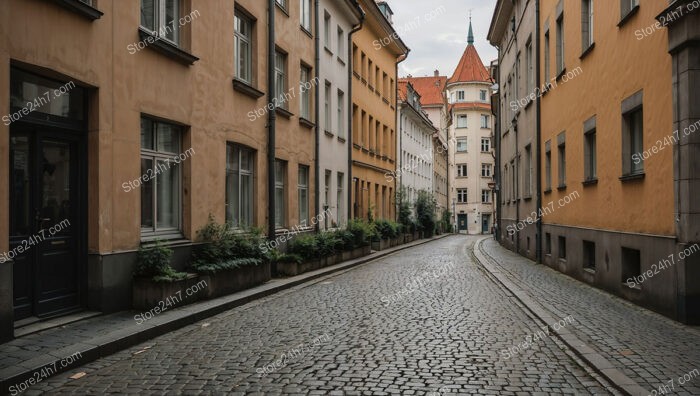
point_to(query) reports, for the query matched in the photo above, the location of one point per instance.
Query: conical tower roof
(470, 67)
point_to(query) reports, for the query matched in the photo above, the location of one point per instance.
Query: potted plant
(156, 283)
(230, 259)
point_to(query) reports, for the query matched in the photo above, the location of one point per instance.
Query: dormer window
(460, 96)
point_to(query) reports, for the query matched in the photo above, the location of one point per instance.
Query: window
(547, 60)
(461, 121)
(561, 144)
(589, 255)
(339, 198)
(562, 248)
(626, 6)
(281, 80)
(548, 243)
(548, 166)
(243, 39)
(161, 18)
(631, 265)
(305, 102)
(282, 3)
(589, 150)
(327, 108)
(486, 170)
(632, 135)
(462, 170)
(586, 24)
(482, 94)
(280, 193)
(341, 114)
(327, 30)
(239, 185)
(461, 145)
(160, 194)
(528, 171)
(462, 195)
(530, 59)
(327, 189)
(484, 121)
(485, 196)
(514, 175)
(341, 43)
(485, 145)
(560, 44)
(305, 14)
(303, 194)
(460, 96)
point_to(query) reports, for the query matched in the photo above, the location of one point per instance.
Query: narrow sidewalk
(63, 348)
(638, 348)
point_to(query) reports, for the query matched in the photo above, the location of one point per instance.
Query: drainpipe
(271, 119)
(497, 127)
(538, 104)
(396, 106)
(351, 64)
(317, 152)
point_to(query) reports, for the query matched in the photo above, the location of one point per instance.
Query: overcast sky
(436, 32)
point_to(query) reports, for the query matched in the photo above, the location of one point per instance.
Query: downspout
(351, 66)
(271, 120)
(538, 104)
(398, 132)
(499, 121)
(399, 162)
(317, 170)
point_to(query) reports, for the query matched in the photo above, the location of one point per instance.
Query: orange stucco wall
(617, 67)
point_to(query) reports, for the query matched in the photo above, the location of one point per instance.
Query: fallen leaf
(78, 375)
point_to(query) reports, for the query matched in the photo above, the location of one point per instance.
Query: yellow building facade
(376, 51)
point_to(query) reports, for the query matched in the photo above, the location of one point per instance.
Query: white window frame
(244, 73)
(159, 17)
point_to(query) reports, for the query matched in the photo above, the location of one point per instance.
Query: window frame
(462, 195)
(281, 72)
(281, 218)
(238, 223)
(302, 188)
(240, 37)
(159, 16)
(461, 140)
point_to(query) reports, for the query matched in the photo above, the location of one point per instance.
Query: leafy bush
(405, 217)
(227, 248)
(345, 240)
(154, 262)
(326, 243)
(387, 229)
(304, 246)
(362, 232)
(425, 212)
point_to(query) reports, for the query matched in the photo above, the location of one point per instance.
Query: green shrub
(226, 248)
(405, 217)
(387, 229)
(425, 212)
(326, 243)
(345, 240)
(362, 232)
(304, 246)
(154, 262)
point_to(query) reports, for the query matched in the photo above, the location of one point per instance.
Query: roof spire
(470, 38)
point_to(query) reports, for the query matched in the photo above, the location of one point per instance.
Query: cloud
(439, 40)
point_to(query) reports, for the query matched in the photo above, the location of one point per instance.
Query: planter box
(407, 238)
(366, 251)
(227, 282)
(147, 294)
(381, 244)
(346, 255)
(294, 269)
(357, 253)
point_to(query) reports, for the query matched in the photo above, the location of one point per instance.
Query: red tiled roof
(470, 68)
(402, 87)
(429, 88)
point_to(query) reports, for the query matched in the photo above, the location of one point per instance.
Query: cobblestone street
(427, 320)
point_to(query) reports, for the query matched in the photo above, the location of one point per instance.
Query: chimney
(437, 73)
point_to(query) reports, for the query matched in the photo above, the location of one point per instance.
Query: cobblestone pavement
(651, 349)
(426, 320)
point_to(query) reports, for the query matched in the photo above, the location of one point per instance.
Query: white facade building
(414, 170)
(469, 97)
(335, 21)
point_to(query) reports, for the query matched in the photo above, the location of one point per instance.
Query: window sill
(165, 48)
(589, 270)
(385, 100)
(548, 191)
(306, 31)
(283, 112)
(632, 177)
(561, 187)
(527, 198)
(529, 103)
(354, 73)
(384, 158)
(174, 238)
(561, 74)
(81, 8)
(328, 50)
(342, 62)
(247, 89)
(363, 80)
(590, 182)
(306, 123)
(587, 51)
(635, 286)
(329, 134)
(357, 146)
(629, 16)
(364, 150)
(281, 8)
(341, 140)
